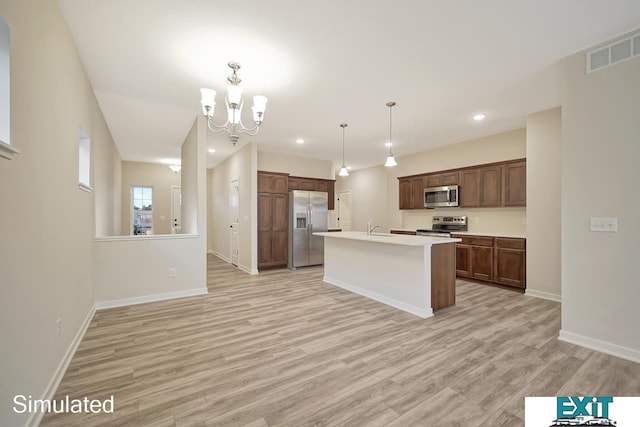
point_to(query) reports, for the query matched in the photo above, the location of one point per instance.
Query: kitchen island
(412, 273)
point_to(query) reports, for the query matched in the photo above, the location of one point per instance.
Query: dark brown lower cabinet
(510, 262)
(272, 230)
(474, 257)
(443, 276)
(463, 260)
(497, 260)
(481, 263)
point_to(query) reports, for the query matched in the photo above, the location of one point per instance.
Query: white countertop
(393, 239)
(476, 233)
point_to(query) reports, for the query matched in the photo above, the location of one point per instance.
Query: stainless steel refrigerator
(308, 213)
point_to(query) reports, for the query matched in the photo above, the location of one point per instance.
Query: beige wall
(209, 210)
(190, 185)
(133, 269)
(544, 156)
(241, 166)
(107, 184)
(600, 176)
(369, 197)
(47, 224)
(296, 165)
(161, 178)
(374, 191)
(494, 148)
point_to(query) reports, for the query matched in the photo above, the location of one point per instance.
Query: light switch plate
(607, 225)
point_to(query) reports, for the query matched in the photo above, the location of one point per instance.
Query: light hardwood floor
(285, 349)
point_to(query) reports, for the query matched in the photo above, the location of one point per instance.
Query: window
(84, 160)
(142, 210)
(6, 150)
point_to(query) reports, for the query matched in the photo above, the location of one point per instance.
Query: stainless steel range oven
(443, 226)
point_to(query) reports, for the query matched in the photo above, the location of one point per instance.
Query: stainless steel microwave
(447, 196)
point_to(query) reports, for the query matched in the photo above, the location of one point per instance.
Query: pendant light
(343, 169)
(391, 160)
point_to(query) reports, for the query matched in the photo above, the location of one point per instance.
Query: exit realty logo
(582, 411)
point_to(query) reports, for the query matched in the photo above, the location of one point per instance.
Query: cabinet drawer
(474, 240)
(502, 242)
(481, 241)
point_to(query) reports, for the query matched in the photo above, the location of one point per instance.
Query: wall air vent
(614, 53)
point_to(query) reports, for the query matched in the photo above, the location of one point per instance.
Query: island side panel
(396, 275)
(443, 275)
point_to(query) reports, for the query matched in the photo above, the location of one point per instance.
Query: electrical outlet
(172, 272)
(609, 225)
(58, 327)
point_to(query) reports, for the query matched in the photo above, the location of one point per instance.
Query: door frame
(174, 187)
(234, 184)
(338, 207)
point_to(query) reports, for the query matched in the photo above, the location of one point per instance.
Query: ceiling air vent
(614, 53)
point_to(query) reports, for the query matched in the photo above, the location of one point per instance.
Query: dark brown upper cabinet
(515, 184)
(490, 185)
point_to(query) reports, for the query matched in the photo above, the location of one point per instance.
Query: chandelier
(234, 102)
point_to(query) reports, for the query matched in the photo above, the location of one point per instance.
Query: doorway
(344, 210)
(176, 209)
(234, 220)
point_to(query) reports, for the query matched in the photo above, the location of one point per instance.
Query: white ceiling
(324, 63)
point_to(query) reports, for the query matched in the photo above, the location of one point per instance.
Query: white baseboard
(210, 251)
(102, 305)
(222, 257)
(543, 295)
(417, 311)
(241, 267)
(50, 391)
(248, 270)
(601, 346)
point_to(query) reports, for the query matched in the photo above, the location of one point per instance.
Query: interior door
(176, 209)
(234, 220)
(344, 210)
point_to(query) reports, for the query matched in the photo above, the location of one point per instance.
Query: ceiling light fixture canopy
(234, 103)
(175, 168)
(343, 169)
(391, 160)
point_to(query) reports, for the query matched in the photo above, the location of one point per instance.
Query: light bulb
(391, 161)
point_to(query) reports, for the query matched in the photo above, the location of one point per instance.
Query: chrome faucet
(370, 228)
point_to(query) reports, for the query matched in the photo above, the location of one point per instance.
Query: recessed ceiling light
(300, 141)
(388, 144)
(211, 150)
(479, 117)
